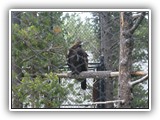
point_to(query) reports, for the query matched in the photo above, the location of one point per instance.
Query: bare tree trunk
(126, 46)
(106, 37)
(127, 28)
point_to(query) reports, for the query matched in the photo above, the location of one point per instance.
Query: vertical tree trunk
(125, 60)
(106, 38)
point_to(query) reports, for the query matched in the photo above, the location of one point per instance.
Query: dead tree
(127, 28)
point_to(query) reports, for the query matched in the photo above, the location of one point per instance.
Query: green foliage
(77, 29)
(139, 54)
(38, 48)
(40, 92)
(140, 96)
(141, 37)
(140, 62)
(35, 43)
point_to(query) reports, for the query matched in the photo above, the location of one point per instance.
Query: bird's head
(77, 44)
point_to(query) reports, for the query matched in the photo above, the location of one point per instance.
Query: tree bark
(127, 28)
(96, 74)
(106, 38)
(126, 46)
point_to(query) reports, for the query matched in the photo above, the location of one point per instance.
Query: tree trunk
(125, 60)
(106, 38)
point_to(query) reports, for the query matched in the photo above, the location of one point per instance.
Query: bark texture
(126, 46)
(127, 28)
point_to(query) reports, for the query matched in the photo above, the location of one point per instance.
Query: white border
(150, 60)
(10, 67)
(79, 10)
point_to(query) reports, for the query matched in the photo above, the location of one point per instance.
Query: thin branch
(95, 103)
(107, 102)
(135, 16)
(98, 74)
(139, 20)
(139, 80)
(138, 73)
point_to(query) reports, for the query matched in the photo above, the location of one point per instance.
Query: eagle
(77, 61)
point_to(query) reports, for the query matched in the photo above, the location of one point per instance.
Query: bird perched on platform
(77, 61)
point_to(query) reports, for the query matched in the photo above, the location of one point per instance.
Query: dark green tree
(37, 51)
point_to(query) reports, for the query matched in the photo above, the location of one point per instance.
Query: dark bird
(77, 61)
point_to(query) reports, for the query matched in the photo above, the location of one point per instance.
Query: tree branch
(86, 74)
(108, 102)
(95, 103)
(98, 74)
(138, 81)
(139, 20)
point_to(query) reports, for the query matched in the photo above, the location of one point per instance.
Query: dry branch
(137, 23)
(98, 74)
(108, 102)
(139, 80)
(95, 103)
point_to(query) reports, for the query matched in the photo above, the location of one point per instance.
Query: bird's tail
(83, 84)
